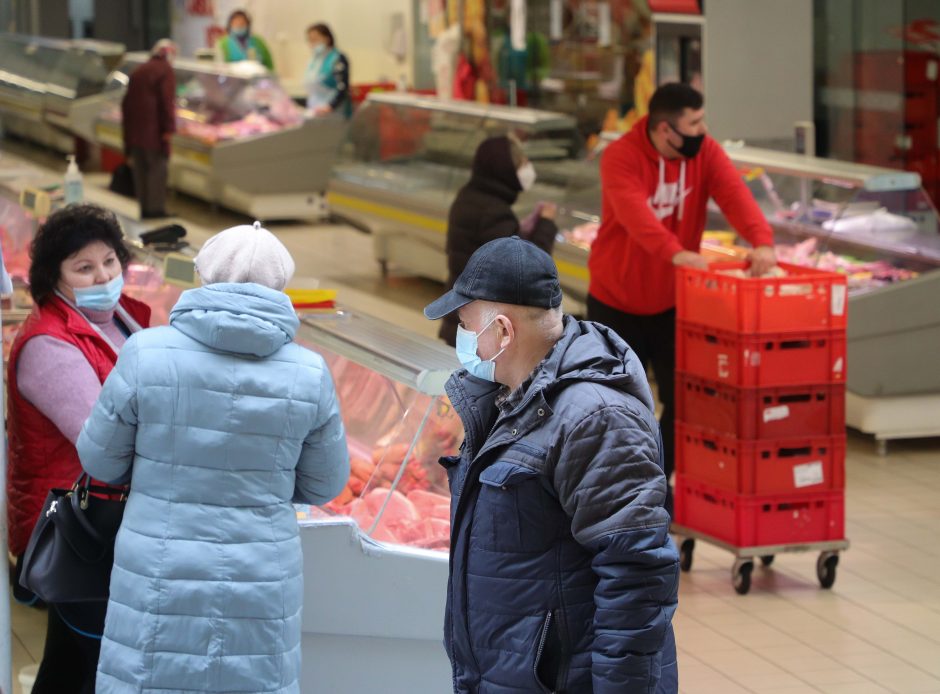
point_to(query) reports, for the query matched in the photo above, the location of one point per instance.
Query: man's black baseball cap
(505, 271)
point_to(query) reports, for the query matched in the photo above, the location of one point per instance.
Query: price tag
(808, 474)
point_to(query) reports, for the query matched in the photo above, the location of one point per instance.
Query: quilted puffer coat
(220, 421)
(563, 577)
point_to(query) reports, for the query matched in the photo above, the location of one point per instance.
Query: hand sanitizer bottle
(74, 187)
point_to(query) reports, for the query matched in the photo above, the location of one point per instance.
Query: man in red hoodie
(655, 184)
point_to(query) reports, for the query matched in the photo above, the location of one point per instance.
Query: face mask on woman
(240, 32)
(319, 50)
(100, 297)
(526, 175)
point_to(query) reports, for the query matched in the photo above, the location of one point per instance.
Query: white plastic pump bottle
(74, 186)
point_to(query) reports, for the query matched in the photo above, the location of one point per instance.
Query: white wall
(758, 67)
(362, 29)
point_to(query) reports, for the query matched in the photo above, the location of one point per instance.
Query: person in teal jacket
(240, 44)
(218, 422)
(327, 76)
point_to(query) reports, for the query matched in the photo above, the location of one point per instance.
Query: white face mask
(526, 175)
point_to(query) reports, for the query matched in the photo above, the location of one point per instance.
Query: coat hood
(494, 170)
(594, 353)
(241, 318)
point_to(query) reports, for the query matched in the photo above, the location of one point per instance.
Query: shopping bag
(71, 550)
(122, 181)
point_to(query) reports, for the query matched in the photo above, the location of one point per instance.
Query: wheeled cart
(744, 557)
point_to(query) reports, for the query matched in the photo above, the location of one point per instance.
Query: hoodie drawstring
(681, 186)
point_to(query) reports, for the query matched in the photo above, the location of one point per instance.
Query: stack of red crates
(760, 406)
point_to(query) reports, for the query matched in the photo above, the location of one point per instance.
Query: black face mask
(691, 144)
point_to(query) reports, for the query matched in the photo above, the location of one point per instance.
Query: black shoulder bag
(71, 550)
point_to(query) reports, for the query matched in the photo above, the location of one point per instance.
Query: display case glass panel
(217, 102)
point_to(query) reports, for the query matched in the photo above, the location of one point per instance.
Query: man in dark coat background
(482, 211)
(563, 577)
(149, 121)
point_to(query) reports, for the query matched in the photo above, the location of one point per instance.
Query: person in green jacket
(240, 44)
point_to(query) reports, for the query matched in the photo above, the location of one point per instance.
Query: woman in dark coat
(482, 211)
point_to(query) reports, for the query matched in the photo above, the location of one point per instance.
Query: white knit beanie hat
(245, 254)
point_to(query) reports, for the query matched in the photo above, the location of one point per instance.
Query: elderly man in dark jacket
(482, 211)
(563, 577)
(149, 120)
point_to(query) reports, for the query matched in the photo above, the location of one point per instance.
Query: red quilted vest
(40, 456)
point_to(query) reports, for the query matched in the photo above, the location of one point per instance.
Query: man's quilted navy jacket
(563, 577)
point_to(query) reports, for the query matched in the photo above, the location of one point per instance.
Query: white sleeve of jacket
(323, 468)
(106, 444)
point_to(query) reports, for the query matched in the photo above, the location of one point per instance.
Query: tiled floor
(877, 630)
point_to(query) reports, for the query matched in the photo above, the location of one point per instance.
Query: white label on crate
(838, 367)
(723, 370)
(838, 299)
(754, 359)
(775, 414)
(808, 474)
(932, 70)
(795, 289)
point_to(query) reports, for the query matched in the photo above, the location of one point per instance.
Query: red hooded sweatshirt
(652, 208)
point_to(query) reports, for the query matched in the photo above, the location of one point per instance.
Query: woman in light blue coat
(218, 421)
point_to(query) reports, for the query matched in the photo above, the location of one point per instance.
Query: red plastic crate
(761, 360)
(759, 521)
(747, 466)
(805, 299)
(761, 413)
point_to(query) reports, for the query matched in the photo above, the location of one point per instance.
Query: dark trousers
(69, 660)
(150, 173)
(653, 339)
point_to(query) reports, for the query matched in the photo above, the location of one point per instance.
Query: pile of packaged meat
(861, 274)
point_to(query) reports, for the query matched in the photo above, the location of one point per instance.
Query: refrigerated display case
(44, 81)
(241, 141)
(880, 228)
(406, 156)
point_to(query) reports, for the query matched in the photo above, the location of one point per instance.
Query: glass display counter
(406, 157)
(241, 141)
(43, 80)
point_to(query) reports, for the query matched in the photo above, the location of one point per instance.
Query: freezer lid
(540, 120)
(384, 348)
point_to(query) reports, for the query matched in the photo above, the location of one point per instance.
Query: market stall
(241, 141)
(44, 82)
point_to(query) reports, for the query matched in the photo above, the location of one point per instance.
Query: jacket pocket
(510, 510)
(545, 667)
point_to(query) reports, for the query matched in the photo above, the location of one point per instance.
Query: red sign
(676, 6)
(200, 8)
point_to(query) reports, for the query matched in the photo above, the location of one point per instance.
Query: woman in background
(240, 44)
(327, 75)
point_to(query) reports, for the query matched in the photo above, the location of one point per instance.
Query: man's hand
(549, 211)
(762, 258)
(322, 110)
(690, 259)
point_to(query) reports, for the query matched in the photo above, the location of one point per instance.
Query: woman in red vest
(59, 361)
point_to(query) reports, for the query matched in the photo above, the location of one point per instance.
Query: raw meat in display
(582, 235)
(861, 274)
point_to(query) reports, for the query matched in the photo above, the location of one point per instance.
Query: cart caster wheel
(826, 568)
(686, 550)
(767, 560)
(741, 576)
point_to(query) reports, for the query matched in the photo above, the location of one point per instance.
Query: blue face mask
(467, 345)
(240, 33)
(100, 297)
